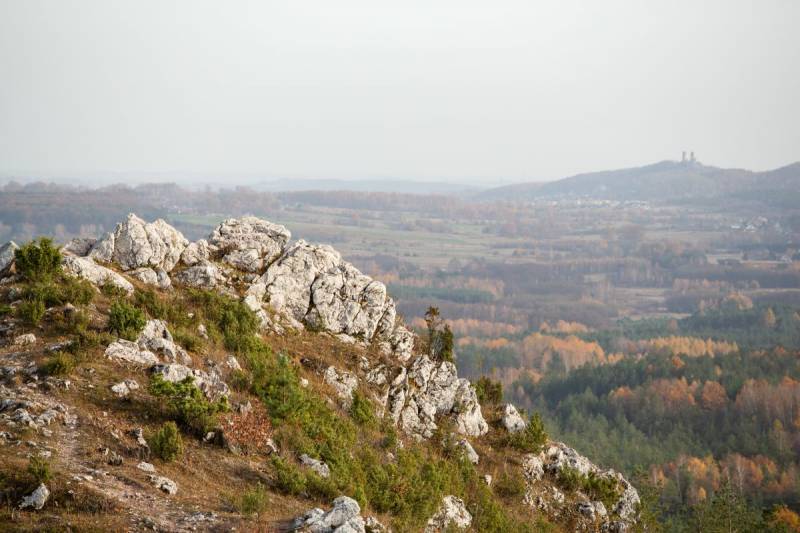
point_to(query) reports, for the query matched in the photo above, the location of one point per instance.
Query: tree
(440, 336)
(726, 512)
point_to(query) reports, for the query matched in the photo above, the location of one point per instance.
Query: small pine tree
(125, 320)
(167, 443)
(38, 260)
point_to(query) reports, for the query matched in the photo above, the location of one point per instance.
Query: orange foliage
(690, 346)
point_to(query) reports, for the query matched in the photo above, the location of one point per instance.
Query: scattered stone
(316, 465)
(271, 447)
(146, 467)
(124, 388)
(203, 332)
(487, 478)
(233, 363)
(25, 339)
(451, 514)
(469, 451)
(36, 499)
(164, 484)
(373, 525)
(115, 459)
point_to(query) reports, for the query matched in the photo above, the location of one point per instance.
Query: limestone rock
(129, 352)
(435, 389)
(80, 246)
(155, 337)
(158, 278)
(36, 499)
(343, 382)
(512, 420)
(288, 281)
(201, 276)
(344, 517)
(316, 465)
(593, 510)
(146, 467)
(7, 256)
(209, 383)
(469, 452)
(25, 339)
(248, 243)
(164, 484)
(136, 243)
(452, 513)
(86, 268)
(124, 388)
(196, 252)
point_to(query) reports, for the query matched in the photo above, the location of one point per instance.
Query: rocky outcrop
(147, 275)
(343, 382)
(164, 484)
(248, 243)
(136, 244)
(344, 517)
(316, 465)
(7, 257)
(205, 275)
(557, 457)
(434, 389)
(86, 268)
(124, 388)
(452, 514)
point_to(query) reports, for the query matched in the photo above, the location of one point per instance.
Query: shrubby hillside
(247, 381)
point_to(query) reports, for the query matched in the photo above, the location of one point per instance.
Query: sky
(435, 90)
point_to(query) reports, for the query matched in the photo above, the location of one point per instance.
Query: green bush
(597, 487)
(59, 364)
(125, 320)
(113, 291)
(187, 404)
(230, 317)
(31, 311)
(166, 443)
(289, 479)
(361, 410)
(489, 391)
(39, 469)
(532, 438)
(510, 485)
(254, 500)
(38, 260)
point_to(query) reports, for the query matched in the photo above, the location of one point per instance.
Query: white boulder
(135, 243)
(248, 243)
(7, 256)
(344, 517)
(36, 499)
(452, 513)
(512, 420)
(129, 352)
(86, 268)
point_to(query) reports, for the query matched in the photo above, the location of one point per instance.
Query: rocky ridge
(304, 286)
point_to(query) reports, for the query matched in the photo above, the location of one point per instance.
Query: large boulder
(434, 389)
(7, 256)
(344, 517)
(86, 268)
(512, 420)
(129, 352)
(36, 499)
(452, 514)
(248, 243)
(135, 243)
(203, 275)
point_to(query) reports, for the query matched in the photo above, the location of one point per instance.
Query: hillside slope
(241, 380)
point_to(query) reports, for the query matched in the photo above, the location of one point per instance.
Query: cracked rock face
(452, 513)
(431, 390)
(136, 243)
(248, 243)
(86, 268)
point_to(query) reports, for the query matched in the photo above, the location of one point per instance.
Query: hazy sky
(435, 89)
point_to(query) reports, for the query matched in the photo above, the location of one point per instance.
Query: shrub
(125, 320)
(532, 438)
(232, 318)
(509, 485)
(188, 404)
(166, 443)
(361, 409)
(288, 477)
(31, 311)
(38, 260)
(605, 489)
(59, 364)
(39, 469)
(113, 291)
(253, 500)
(489, 391)
(75, 291)
(149, 301)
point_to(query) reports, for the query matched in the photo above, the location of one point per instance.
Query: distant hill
(375, 185)
(666, 180)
